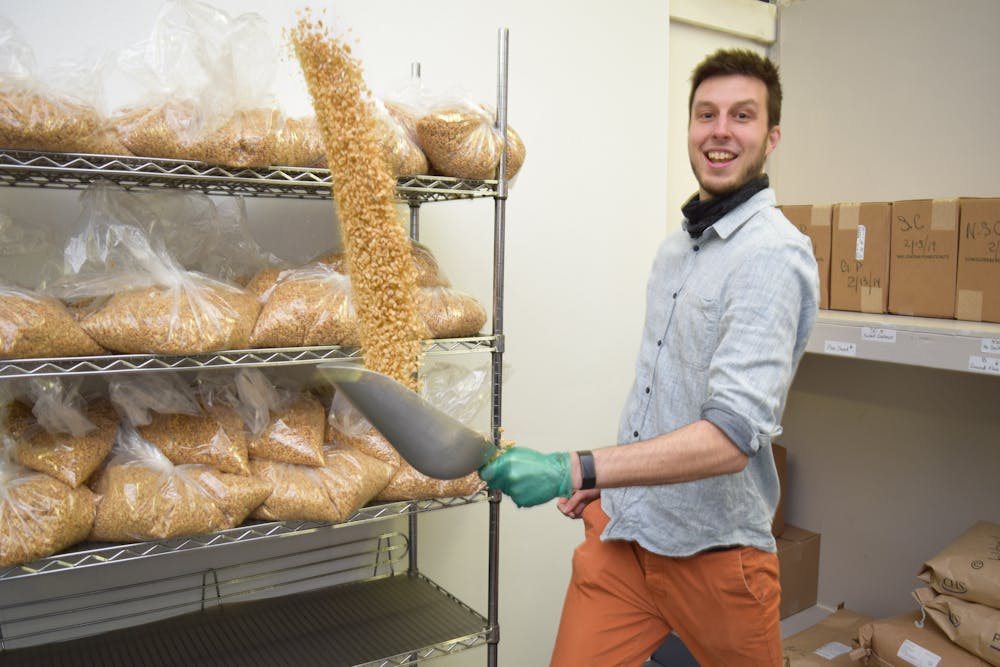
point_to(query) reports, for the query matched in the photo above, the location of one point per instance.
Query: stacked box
(978, 282)
(814, 220)
(798, 563)
(923, 260)
(859, 257)
(781, 465)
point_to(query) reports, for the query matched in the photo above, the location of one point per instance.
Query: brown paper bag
(969, 567)
(974, 627)
(900, 642)
(827, 643)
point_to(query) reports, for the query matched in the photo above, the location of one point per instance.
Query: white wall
(697, 28)
(888, 99)
(588, 95)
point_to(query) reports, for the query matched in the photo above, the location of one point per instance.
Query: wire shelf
(270, 357)
(77, 170)
(408, 617)
(88, 555)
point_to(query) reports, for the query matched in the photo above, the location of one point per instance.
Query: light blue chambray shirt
(727, 320)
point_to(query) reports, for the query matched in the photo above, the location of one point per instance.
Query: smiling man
(677, 515)
(732, 129)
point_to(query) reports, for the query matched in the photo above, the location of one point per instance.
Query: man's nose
(720, 128)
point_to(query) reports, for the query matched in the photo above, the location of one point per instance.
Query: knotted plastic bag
(144, 496)
(39, 515)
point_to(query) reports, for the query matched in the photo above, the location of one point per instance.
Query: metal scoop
(431, 441)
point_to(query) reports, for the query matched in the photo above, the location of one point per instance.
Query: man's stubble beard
(752, 171)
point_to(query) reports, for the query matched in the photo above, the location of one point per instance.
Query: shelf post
(499, 229)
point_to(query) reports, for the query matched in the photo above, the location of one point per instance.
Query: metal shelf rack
(383, 620)
(89, 555)
(425, 621)
(236, 615)
(76, 170)
(268, 357)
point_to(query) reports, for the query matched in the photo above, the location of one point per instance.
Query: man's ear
(773, 137)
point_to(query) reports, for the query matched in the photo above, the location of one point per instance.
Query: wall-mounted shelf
(75, 170)
(957, 345)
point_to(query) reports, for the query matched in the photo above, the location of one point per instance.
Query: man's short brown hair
(725, 62)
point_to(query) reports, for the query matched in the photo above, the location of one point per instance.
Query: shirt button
(635, 434)
(659, 343)
(647, 390)
(697, 248)
(675, 295)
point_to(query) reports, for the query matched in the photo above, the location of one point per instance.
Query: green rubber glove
(529, 477)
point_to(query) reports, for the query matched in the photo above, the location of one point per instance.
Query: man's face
(728, 139)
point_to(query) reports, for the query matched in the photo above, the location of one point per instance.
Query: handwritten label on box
(877, 335)
(840, 348)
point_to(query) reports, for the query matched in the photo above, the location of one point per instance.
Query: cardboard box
(780, 462)
(827, 643)
(923, 261)
(978, 283)
(816, 222)
(859, 257)
(798, 563)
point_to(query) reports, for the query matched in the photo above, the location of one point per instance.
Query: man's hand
(529, 477)
(574, 505)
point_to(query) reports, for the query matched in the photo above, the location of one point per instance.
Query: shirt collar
(728, 224)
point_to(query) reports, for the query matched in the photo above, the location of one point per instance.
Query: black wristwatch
(588, 474)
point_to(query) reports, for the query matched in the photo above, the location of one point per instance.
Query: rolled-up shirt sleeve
(761, 339)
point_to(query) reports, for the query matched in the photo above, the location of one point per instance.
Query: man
(677, 516)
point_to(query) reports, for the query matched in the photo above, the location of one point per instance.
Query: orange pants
(623, 601)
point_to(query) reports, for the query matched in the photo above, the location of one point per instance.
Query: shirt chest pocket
(694, 329)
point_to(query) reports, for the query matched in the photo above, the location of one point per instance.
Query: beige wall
(888, 99)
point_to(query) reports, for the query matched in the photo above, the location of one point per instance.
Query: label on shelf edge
(990, 346)
(841, 348)
(878, 335)
(984, 364)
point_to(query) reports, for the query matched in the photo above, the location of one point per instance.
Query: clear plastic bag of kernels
(347, 480)
(143, 495)
(311, 305)
(59, 431)
(58, 109)
(203, 81)
(144, 301)
(33, 325)
(39, 515)
(460, 139)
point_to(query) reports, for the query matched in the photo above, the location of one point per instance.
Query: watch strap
(588, 472)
